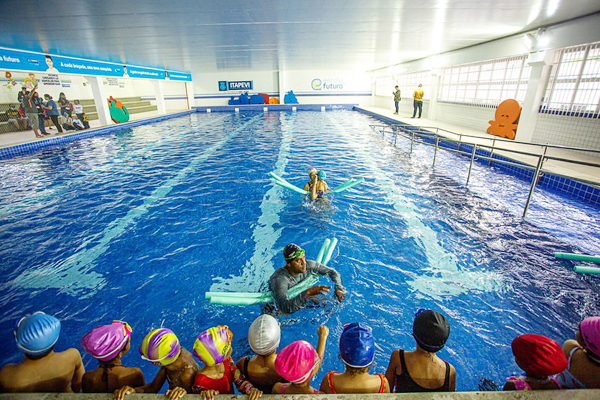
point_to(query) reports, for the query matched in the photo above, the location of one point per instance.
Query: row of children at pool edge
(289, 371)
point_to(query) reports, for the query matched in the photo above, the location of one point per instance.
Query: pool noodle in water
(347, 185)
(250, 298)
(282, 182)
(586, 270)
(579, 257)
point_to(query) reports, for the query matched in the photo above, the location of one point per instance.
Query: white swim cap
(311, 170)
(264, 335)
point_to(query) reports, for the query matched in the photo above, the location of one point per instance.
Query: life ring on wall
(118, 112)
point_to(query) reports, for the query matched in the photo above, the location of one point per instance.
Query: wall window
(574, 84)
(407, 83)
(485, 84)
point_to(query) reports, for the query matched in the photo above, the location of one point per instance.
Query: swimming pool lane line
(260, 267)
(51, 192)
(443, 276)
(75, 274)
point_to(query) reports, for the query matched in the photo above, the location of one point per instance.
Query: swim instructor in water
(295, 271)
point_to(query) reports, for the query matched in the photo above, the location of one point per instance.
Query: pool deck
(587, 394)
(577, 171)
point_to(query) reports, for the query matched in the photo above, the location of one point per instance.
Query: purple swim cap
(105, 342)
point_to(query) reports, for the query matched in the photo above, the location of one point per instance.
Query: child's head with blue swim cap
(322, 175)
(37, 334)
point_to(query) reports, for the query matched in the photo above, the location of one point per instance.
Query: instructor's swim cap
(264, 335)
(37, 333)
(431, 330)
(213, 345)
(296, 362)
(590, 332)
(290, 251)
(106, 341)
(311, 170)
(160, 346)
(538, 355)
(357, 345)
(322, 175)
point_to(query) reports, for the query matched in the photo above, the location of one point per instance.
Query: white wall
(337, 87)
(206, 85)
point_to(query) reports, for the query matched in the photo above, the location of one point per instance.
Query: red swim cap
(538, 355)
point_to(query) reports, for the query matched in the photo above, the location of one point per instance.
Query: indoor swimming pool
(138, 225)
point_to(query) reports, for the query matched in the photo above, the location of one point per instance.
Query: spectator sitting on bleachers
(67, 122)
(85, 120)
(64, 104)
(77, 123)
(78, 108)
(15, 118)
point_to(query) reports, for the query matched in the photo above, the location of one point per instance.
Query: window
(486, 83)
(407, 83)
(574, 84)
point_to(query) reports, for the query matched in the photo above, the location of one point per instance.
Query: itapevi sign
(327, 84)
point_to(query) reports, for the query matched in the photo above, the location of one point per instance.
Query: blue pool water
(140, 224)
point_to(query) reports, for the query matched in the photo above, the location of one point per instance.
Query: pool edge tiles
(277, 107)
(31, 147)
(586, 193)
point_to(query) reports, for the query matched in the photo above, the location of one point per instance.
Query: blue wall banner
(235, 85)
(29, 61)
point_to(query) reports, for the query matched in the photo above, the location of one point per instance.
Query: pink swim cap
(590, 332)
(296, 362)
(106, 342)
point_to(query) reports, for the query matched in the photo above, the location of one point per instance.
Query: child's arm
(241, 383)
(323, 332)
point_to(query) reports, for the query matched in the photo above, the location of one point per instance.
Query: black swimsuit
(404, 382)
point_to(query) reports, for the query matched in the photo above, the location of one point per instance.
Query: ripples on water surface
(140, 224)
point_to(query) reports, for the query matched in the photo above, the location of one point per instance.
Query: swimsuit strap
(245, 370)
(330, 379)
(571, 356)
(382, 387)
(283, 387)
(447, 377)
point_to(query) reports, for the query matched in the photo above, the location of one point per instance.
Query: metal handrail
(417, 135)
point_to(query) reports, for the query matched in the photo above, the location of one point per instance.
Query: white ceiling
(217, 35)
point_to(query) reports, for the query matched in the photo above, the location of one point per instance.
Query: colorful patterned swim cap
(105, 342)
(160, 346)
(37, 333)
(213, 345)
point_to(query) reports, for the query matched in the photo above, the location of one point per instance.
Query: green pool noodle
(348, 186)
(343, 185)
(319, 258)
(282, 182)
(586, 270)
(329, 252)
(578, 257)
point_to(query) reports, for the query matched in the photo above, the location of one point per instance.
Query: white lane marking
(444, 277)
(260, 267)
(75, 273)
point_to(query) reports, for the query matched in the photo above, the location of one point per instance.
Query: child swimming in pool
(177, 366)
(583, 370)
(298, 363)
(357, 351)
(43, 369)
(317, 185)
(540, 358)
(263, 336)
(108, 344)
(213, 348)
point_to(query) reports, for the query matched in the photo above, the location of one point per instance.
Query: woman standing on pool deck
(317, 185)
(428, 373)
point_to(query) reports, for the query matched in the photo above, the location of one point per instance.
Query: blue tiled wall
(561, 185)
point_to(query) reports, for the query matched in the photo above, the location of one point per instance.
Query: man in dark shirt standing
(295, 271)
(30, 107)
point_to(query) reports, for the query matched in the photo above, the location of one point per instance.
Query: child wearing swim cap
(540, 357)
(213, 348)
(298, 363)
(263, 336)
(317, 185)
(583, 357)
(357, 351)
(177, 366)
(422, 370)
(43, 369)
(108, 344)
